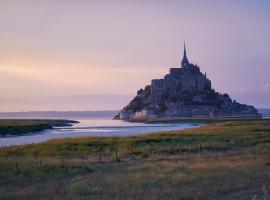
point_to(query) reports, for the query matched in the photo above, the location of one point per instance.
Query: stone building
(184, 92)
(186, 78)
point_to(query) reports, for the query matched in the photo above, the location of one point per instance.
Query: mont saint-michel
(184, 92)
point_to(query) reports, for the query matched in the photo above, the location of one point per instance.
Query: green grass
(22, 126)
(226, 160)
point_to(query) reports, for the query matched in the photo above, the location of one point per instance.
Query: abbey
(187, 78)
(184, 92)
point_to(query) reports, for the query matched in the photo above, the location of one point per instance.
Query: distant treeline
(66, 114)
(60, 114)
(264, 111)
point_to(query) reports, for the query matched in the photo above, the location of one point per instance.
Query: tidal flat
(25, 126)
(220, 160)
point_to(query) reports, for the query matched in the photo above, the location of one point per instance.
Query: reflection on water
(93, 127)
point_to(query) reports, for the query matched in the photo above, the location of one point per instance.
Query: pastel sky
(95, 55)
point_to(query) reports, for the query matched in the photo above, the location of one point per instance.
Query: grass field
(22, 126)
(220, 161)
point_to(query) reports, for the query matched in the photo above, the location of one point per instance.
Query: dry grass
(229, 160)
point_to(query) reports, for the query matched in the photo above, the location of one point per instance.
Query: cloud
(266, 87)
(245, 89)
(78, 48)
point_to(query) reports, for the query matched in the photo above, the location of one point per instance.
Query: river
(101, 126)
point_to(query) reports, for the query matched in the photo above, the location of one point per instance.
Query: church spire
(184, 60)
(185, 53)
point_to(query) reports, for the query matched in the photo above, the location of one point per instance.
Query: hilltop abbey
(184, 92)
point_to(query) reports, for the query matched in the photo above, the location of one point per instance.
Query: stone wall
(157, 90)
(179, 80)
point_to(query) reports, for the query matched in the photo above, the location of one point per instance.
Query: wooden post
(100, 157)
(63, 160)
(116, 155)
